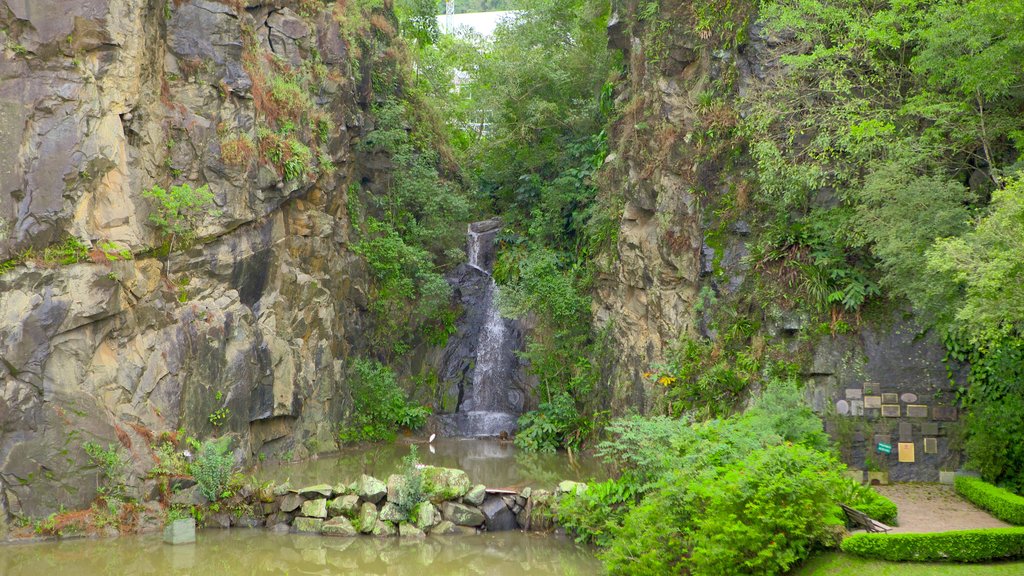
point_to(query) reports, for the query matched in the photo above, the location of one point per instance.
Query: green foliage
(411, 488)
(749, 494)
(593, 514)
(988, 262)
(761, 515)
(113, 465)
(956, 546)
(418, 20)
(556, 424)
(180, 211)
(212, 468)
(1003, 504)
(379, 406)
(169, 461)
(70, 251)
(865, 499)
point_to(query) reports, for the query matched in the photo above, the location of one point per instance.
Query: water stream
(490, 405)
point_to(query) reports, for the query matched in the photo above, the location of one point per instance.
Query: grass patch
(837, 564)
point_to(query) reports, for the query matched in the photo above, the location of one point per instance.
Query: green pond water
(494, 463)
(256, 551)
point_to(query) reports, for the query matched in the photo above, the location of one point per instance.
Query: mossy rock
(440, 484)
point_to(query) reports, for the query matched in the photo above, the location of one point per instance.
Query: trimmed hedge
(957, 546)
(1003, 504)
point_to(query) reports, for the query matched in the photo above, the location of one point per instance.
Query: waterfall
(489, 403)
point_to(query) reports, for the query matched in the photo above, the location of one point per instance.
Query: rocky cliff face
(99, 101)
(687, 188)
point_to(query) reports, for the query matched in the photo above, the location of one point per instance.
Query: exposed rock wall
(686, 187)
(100, 100)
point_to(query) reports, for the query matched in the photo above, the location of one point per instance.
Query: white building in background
(482, 23)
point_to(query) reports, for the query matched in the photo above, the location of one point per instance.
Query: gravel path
(935, 508)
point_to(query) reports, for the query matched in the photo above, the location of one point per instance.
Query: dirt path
(935, 508)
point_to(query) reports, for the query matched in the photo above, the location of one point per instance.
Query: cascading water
(489, 403)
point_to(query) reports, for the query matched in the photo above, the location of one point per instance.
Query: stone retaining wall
(446, 503)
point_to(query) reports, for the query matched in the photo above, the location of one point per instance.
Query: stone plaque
(944, 413)
(947, 477)
(906, 452)
(890, 398)
(917, 411)
(856, 407)
(930, 429)
(872, 401)
(908, 397)
(854, 393)
(842, 407)
(870, 388)
(931, 446)
(891, 410)
(906, 432)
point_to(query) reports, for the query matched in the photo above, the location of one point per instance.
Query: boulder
(497, 515)
(425, 515)
(444, 483)
(308, 525)
(567, 486)
(462, 515)
(371, 490)
(218, 520)
(391, 513)
(180, 531)
(188, 497)
(445, 527)
(367, 517)
(406, 530)
(338, 526)
(315, 508)
(344, 506)
(383, 529)
(291, 503)
(325, 490)
(476, 495)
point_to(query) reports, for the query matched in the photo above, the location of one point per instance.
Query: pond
(242, 551)
(495, 463)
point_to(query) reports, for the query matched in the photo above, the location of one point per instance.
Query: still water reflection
(492, 462)
(240, 551)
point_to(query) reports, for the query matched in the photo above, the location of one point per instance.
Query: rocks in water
(497, 515)
(538, 514)
(383, 529)
(462, 515)
(315, 508)
(291, 502)
(188, 497)
(444, 528)
(344, 506)
(444, 483)
(567, 486)
(391, 513)
(406, 530)
(308, 525)
(425, 515)
(338, 526)
(282, 489)
(367, 517)
(476, 495)
(325, 490)
(371, 490)
(180, 531)
(218, 520)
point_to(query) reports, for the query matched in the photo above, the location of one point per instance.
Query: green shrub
(212, 468)
(379, 405)
(411, 490)
(865, 499)
(112, 463)
(1003, 504)
(957, 546)
(594, 514)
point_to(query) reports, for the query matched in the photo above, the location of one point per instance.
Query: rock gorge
(102, 99)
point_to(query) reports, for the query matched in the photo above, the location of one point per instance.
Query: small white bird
(431, 439)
